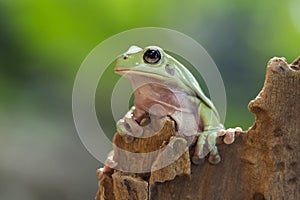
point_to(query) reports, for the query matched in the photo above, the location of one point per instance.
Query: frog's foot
(129, 128)
(206, 144)
(229, 134)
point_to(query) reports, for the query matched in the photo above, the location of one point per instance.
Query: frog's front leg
(128, 127)
(207, 139)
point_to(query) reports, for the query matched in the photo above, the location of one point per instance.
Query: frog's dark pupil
(152, 56)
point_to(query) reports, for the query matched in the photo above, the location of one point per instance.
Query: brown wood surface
(263, 163)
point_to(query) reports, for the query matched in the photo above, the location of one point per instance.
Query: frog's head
(150, 62)
(143, 66)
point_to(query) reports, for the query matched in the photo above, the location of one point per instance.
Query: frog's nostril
(125, 56)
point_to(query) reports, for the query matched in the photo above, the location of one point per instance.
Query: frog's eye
(152, 56)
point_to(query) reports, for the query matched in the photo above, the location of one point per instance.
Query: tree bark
(263, 163)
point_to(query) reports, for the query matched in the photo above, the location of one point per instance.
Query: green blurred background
(42, 44)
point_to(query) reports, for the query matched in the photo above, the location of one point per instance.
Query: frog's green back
(190, 81)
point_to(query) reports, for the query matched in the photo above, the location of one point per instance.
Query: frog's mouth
(139, 73)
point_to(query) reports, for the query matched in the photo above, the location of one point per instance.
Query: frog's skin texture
(164, 87)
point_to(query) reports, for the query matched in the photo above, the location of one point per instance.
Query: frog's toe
(230, 135)
(197, 161)
(121, 129)
(229, 139)
(124, 128)
(214, 158)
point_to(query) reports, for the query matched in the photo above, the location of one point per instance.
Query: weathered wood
(105, 186)
(147, 148)
(263, 163)
(181, 166)
(273, 144)
(128, 186)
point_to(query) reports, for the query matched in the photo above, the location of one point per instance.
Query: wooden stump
(263, 163)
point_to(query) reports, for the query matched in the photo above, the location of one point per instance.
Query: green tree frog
(164, 87)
